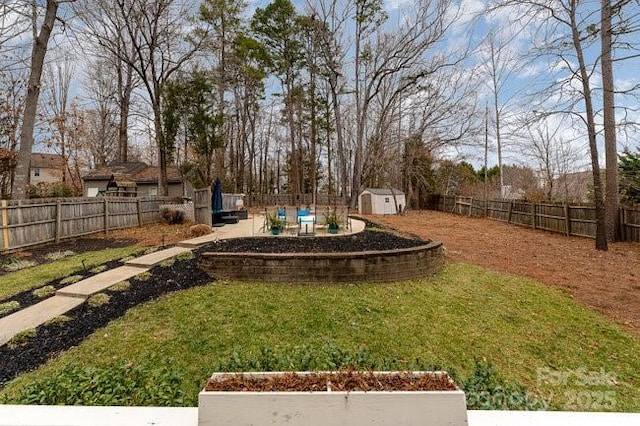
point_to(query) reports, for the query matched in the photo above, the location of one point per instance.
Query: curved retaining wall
(368, 266)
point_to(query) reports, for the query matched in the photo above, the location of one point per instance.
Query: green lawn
(527, 330)
(26, 279)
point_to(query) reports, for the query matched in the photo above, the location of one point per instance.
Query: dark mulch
(362, 241)
(348, 380)
(52, 339)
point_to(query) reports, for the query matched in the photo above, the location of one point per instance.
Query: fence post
(5, 225)
(533, 215)
(567, 220)
(509, 212)
(58, 220)
(622, 231)
(486, 207)
(106, 215)
(139, 205)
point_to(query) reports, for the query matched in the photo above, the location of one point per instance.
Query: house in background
(47, 168)
(131, 179)
(574, 187)
(381, 201)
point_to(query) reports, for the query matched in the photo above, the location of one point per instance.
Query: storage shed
(381, 201)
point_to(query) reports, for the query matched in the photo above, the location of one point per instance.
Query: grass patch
(57, 255)
(13, 265)
(22, 337)
(14, 283)
(144, 276)
(43, 291)
(186, 255)
(59, 320)
(98, 299)
(121, 286)
(167, 263)
(71, 279)
(527, 331)
(6, 307)
(98, 269)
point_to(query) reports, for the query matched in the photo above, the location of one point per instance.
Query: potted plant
(332, 220)
(332, 398)
(276, 223)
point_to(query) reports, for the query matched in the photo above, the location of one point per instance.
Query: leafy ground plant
(121, 286)
(44, 291)
(98, 299)
(10, 306)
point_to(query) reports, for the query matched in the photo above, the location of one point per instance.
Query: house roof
(383, 191)
(46, 161)
(122, 181)
(137, 172)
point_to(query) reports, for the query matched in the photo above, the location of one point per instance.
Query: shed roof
(137, 171)
(383, 191)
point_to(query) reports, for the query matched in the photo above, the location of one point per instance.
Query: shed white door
(366, 204)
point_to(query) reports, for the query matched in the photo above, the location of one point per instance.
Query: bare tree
(554, 20)
(156, 33)
(40, 45)
(58, 76)
(101, 122)
(395, 62)
(553, 153)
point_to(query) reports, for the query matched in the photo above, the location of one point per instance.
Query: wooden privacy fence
(570, 220)
(25, 223)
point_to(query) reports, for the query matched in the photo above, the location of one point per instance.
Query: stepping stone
(35, 315)
(153, 259)
(92, 285)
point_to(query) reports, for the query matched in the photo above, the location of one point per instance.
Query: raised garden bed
(335, 398)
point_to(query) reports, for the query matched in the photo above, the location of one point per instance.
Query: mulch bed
(362, 241)
(348, 380)
(52, 339)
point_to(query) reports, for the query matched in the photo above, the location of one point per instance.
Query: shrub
(71, 279)
(98, 300)
(172, 216)
(6, 307)
(199, 230)
(43, 291)
(143, 385)
(486, 390)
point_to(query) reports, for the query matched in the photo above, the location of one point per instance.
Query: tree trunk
(609, 121)
(601, 236)
(22, 170)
